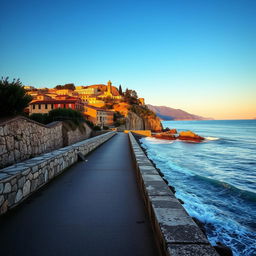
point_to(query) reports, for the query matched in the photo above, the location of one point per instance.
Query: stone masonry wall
(175, 231)
(20, 180)
(22, 138)
(70, 137)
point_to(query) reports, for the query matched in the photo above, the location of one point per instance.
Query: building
(142, 101)
(65, 92)
(86, 91)
(109, 93)
(45, 104)
(99, 116)
(93, 101)
(29, 88)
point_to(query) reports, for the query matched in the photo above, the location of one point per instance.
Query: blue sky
(199, 56)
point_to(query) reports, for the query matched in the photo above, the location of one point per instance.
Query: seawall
(175, 231)
(19, 181)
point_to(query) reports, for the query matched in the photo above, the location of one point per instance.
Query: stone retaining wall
(22, 138)
(175, 231)
(19, 181)
(70, 136)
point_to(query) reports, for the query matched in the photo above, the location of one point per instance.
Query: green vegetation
(96, 128)
(131, 97)
(40, 118)
(13, 98)
(120, 90)
(66, 86)
(143, 111)
(119, 122)
(62, 114)
(72, 119)
(119, 119)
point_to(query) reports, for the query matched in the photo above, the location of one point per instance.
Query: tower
(109, 87)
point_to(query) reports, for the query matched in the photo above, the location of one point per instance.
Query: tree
(13, 97)
(131, 97)
(70, 86)
(120, 90)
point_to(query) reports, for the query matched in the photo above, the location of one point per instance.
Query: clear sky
(199, 56)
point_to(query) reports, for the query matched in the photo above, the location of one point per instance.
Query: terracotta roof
(54, 101)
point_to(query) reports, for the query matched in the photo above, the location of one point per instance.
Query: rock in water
(190, 136)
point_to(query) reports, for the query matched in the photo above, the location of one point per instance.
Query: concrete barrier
(19, 181)
(175, 231)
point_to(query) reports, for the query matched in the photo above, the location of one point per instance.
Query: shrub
(89, 123)
(62, 114)
(105, 127)
(40, 118)
(119, 122)
(96, 128)
(142, 111)
(72, 119)
(13, 97)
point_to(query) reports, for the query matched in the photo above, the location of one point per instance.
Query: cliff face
(134, 122)
(153, 124)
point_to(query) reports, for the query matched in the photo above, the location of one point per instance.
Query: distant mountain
(166, 113)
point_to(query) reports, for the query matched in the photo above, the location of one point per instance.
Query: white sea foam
(211, 138)
(158, 141)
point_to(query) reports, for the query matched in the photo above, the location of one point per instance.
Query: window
(39, 106)
(46, 106)
(64, 105)
(52, 106)
(34, 106)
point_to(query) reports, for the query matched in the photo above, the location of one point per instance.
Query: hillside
(167, 113)
(138, 117)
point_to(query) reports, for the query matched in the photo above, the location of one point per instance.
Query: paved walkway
(93, 209)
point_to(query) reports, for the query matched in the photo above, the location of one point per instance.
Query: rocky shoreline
(219, 247)
(172, 134)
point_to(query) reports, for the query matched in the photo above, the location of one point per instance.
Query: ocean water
(216, 179)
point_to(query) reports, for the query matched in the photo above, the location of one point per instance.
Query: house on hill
(43, 104)
(99, 116)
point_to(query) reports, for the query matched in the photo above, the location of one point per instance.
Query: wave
(229, 188)
(211, 138)
(245, 194)
(157, 141)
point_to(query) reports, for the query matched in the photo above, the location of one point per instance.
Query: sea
(216, 178)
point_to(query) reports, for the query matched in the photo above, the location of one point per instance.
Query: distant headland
(167, 113)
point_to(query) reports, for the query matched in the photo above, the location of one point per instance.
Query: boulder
(173, 131)
(164, 136)
(189, 136)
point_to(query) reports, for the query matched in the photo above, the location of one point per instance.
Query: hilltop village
(103, 105)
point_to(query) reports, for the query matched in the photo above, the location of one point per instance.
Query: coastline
(219, 247)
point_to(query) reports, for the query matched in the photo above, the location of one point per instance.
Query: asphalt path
(92, 209)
